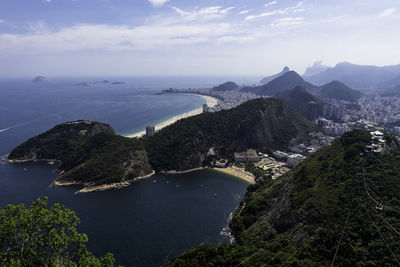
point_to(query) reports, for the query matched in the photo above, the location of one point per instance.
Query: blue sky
(187, 37)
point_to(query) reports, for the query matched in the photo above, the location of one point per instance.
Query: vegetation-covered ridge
(340, 91)
(90, 154)
(298, 98)
(62, 142)
(262, 124)
(337, 207)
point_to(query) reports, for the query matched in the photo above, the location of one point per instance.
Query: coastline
(233, 171)
(103, 187)
(237, 172)
(211, 102)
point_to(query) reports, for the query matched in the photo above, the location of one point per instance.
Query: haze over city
(178, 37)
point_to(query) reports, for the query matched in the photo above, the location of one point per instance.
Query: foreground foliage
(44, 236)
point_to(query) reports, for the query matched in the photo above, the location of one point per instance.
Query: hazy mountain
(287, 81)
(270, 78)
(228, 86)
(389, 84)
(356, 76)
(298, 98)
(340, 91)
(315, 69)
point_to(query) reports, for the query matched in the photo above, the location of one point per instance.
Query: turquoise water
(144, 224)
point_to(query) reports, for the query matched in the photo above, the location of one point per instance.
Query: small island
(40, 79)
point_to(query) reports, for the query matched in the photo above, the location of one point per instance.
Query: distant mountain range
(289, 80)
(316, 68)
(358, 76)
(272, 77)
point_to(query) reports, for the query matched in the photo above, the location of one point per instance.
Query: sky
(193, 38)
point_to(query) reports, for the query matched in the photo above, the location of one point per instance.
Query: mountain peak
(270, 78)
(227, 86)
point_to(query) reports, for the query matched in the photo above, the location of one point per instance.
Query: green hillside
(340, 91)
(262, 124)
(298, 98)
(318, 210)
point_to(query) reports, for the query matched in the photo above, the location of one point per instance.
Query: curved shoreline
(238, 173)
(211, 102)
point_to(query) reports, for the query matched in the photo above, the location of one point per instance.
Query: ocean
(146, 223)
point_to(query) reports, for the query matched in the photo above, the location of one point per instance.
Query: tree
(44, 236)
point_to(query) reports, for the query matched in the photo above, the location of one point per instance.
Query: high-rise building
(311, 110)
(150, 130)
(205, 108)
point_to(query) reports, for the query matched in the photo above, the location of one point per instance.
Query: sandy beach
(238, 172)
(211, 102)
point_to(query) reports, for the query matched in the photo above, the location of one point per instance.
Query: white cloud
(48, 1)
(287, 21)
(266, 14)
(206, 13)
(301, 3)
(84, 37)
(226, 10)
(270, 3)
(244, 12)
(156, 3)
(7, 23)
(387, 12)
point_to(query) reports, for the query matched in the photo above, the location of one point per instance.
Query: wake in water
(56, 115)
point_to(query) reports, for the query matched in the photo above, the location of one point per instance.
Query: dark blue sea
(145, 224)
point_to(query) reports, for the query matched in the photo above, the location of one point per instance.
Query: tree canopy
(44, 236)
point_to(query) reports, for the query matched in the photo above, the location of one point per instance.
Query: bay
(144, 224)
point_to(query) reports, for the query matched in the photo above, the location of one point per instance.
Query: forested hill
(322, 212)
(264, 123)
(340, 91)
(90, 154)
(298, 98)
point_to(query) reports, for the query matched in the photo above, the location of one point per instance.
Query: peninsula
(92, 155)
